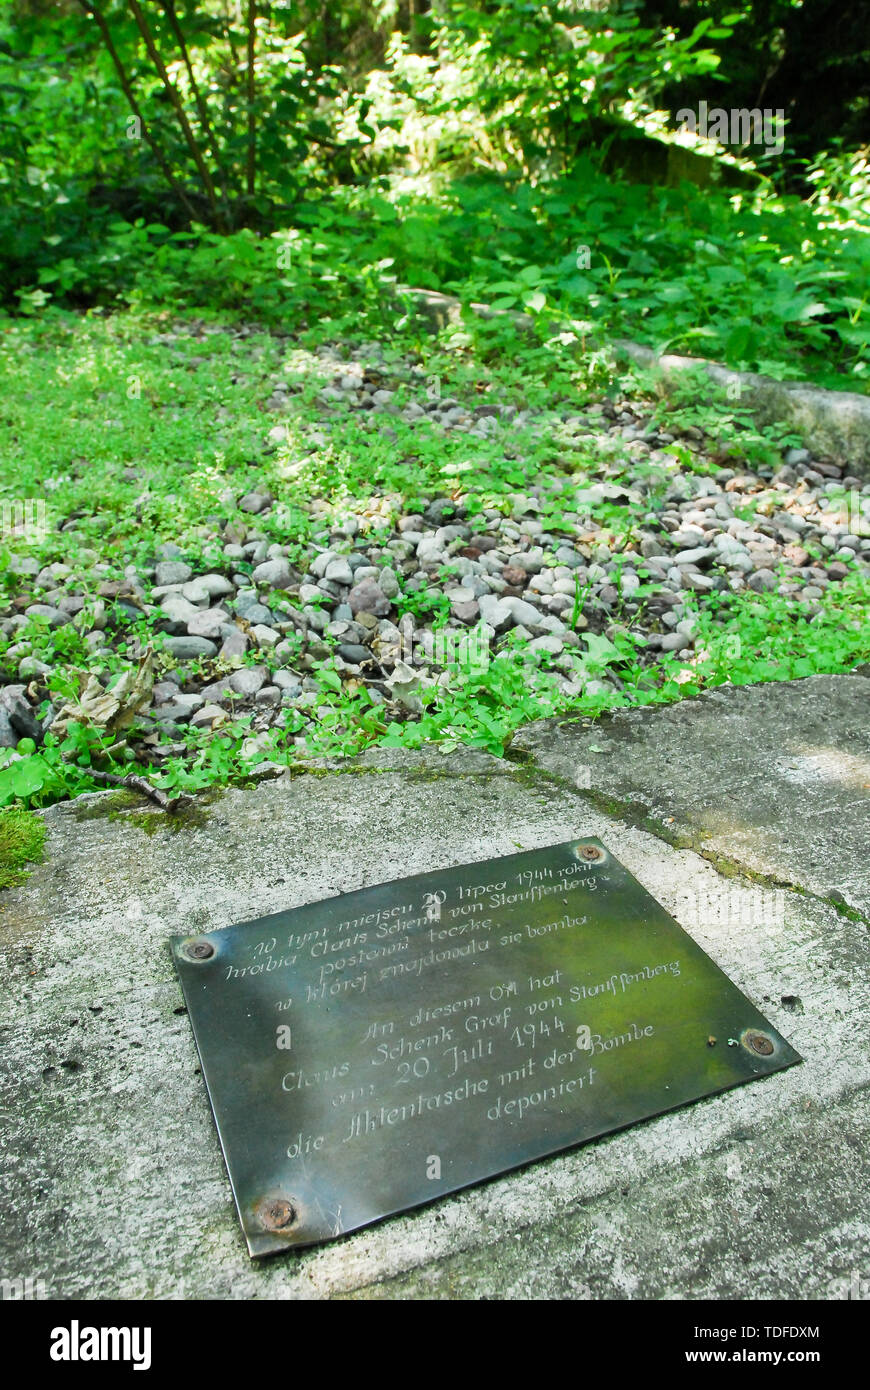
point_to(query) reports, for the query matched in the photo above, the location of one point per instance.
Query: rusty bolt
(759, 1043)
(199, 950)
(590, 853)
(277, 1214)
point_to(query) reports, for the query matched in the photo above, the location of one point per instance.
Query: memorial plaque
(372, 1052)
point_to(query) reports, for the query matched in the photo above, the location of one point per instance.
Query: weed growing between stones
(388, 563)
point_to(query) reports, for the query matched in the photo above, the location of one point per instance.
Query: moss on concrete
(107, 805)
(22, 840)
(133, 808)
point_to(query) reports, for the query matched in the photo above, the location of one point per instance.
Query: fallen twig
(139, 784)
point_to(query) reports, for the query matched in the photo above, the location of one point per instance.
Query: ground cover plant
(361, 553)
(257, 506)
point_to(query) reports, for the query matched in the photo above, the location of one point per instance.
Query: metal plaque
(369, 1053)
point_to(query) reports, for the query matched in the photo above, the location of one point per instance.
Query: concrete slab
(775, 778)
(113, 1182)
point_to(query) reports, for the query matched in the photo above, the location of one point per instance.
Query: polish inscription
(409, 1039)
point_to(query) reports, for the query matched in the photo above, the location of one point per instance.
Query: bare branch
(201, 105)
(252, 139)
(127, 89)
(177, 106)
(139, 784)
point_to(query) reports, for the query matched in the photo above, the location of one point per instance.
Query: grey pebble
(172, 572)
(274, 573)
(188, 648)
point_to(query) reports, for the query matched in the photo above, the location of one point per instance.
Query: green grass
(22, 837)
(139, 433)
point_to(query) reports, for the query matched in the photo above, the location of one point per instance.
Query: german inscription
(366, 1054)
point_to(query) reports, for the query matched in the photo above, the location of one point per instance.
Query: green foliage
(772, 287)
(547, 75)
(469, 159)
(22, 838)
(772, 637)
(147, 112)
(58, 770)
(741, 640)
(809, 59)
(762, 285)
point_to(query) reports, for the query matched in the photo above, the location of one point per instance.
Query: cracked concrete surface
(773, 778)
(112, 1176)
